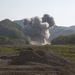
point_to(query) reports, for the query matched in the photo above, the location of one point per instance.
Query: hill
(11, 30)
(56, 31)
(64, 40)
(20, 22)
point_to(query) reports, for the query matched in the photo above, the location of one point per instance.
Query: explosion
(37, 29)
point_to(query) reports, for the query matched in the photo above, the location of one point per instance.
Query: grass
(67, 51)
(63, 50)
(6, 49)
(9, 49)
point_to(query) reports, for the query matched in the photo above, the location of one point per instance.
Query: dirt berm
(45, 57)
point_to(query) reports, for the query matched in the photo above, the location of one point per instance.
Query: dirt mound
(45, 57)
(31, 62)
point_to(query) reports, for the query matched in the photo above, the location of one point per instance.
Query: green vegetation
(67, 51)
(10, 33)
(6, 49)
(63, 40)
(11, 52)
(9, 41)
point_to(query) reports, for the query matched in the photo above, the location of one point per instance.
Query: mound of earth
(31, 62)
(44, 57)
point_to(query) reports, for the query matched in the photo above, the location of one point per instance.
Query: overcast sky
(63, 11)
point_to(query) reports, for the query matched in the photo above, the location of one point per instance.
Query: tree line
(63, 40)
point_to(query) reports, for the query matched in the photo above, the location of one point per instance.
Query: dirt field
(30, 62)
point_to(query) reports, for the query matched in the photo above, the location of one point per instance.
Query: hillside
(56, 31)
(20, 22)
(64, 40)
(11, 30)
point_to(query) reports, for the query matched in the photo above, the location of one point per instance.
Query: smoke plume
(49, 19)
(37, 29)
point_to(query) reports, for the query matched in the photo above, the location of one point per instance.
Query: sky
(63, 11)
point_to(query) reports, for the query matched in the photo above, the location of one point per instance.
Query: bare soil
(30, 62)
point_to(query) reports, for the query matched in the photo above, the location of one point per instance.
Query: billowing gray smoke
(48, 19)
(37, 29)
